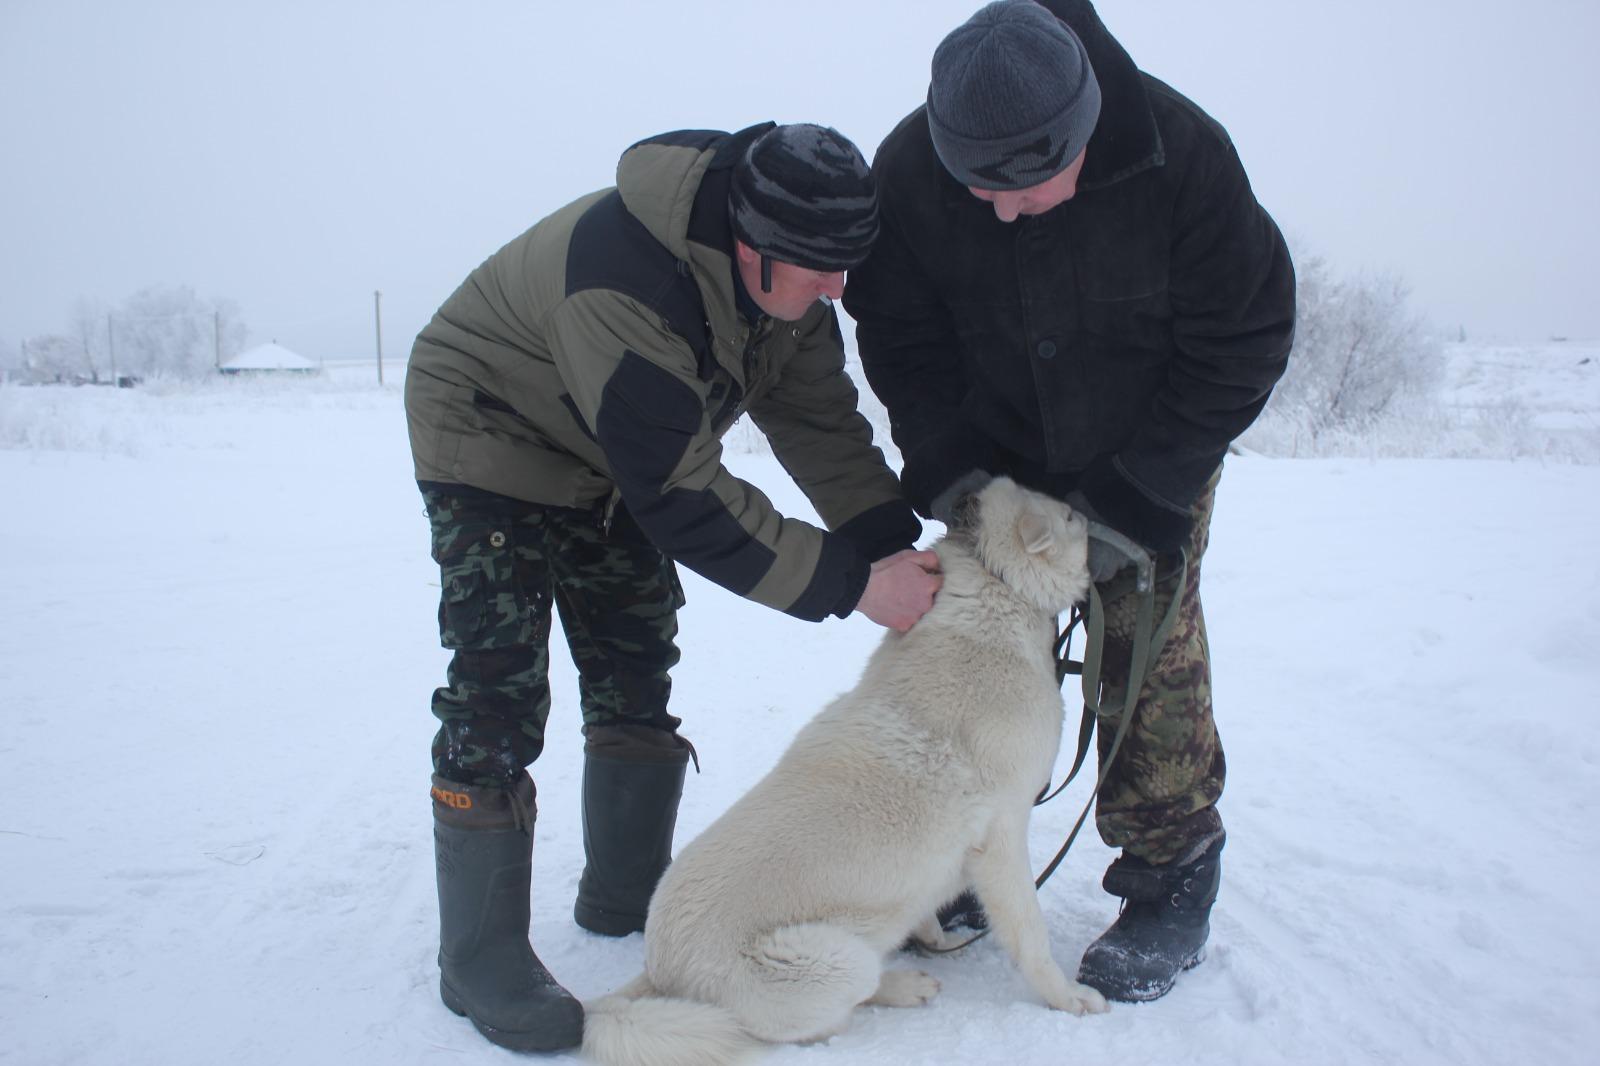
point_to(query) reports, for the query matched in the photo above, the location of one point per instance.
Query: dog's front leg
(1004, 884)
(930, 936)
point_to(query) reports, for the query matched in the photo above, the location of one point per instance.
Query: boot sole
(606, 923)
(1147, 994)
(534, 1041)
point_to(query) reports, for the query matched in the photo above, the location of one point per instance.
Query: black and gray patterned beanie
(802, 194)
(1013, 98)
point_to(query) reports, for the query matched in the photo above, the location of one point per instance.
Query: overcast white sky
(294, 157)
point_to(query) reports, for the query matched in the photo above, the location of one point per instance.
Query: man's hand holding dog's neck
(901, 588)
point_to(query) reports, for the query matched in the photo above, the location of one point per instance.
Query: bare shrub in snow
(1360, 354)
(66, 420)
(1507, 421)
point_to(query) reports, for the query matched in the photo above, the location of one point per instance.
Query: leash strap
(1066, 664)
(1148, 641)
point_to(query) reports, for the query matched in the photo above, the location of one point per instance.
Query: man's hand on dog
(901, 588)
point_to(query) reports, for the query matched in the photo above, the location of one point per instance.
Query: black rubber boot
(632, 781)
(483, 847)
(1162, 930)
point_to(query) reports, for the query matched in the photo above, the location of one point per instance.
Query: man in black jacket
(1074, 286)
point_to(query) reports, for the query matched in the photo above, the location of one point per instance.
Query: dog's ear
(1036, 531)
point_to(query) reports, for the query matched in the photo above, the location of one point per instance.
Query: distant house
(270, 358)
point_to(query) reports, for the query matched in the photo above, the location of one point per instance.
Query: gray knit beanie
(1013, 98)
(803, 194)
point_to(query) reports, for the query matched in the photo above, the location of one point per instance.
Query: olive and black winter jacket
(1114, 345)
(601, 354)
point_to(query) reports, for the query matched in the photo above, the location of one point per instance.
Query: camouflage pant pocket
(481, 602)
(462, 608)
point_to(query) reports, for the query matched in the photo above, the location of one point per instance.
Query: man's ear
(745, 253)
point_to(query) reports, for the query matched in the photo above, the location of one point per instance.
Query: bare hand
(901, 588)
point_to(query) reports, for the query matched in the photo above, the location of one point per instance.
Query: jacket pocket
(1139, 322)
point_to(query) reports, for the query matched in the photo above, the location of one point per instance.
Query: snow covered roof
(270, 356)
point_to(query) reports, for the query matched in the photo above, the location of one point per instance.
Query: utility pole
(377, 321)
(216, 337)
(111, 347)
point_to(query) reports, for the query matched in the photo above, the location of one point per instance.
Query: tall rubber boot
(1165, 919)
(483, 847)
(632, 781)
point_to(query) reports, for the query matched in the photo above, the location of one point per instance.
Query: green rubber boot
(488, 972)
(632, 780)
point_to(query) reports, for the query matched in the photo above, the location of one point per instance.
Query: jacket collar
(1126, 140)
(709, 223)
(677, 185)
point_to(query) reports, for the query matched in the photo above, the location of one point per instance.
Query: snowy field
(1498, 401)
(215, 847)
(1556, 387)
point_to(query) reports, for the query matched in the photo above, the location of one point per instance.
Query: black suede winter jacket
(1113, 345)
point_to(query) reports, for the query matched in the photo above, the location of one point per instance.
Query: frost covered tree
(1360, 353)
(167, 329)
(91, 329)
(10, 355)
(52, 357)
(79, 354)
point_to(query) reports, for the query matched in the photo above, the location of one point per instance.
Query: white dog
(774, 924)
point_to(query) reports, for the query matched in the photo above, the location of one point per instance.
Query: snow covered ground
(1557, 386)
(219, 641)
(1500, 401)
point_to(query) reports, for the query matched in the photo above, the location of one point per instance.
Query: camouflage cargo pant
(501, 563)
(1159, 800)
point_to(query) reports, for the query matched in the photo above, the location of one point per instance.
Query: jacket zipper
(746, 362)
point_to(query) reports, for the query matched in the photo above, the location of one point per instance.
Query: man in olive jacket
(565, 409)
(1075, 286)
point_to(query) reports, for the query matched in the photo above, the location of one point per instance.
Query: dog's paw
(1080, 999)
(904, 988)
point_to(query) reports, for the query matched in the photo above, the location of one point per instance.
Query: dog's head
(1034, 543)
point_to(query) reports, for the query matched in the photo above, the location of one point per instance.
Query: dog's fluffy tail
(634, 1026)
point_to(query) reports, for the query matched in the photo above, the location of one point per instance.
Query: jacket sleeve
(635, 384)
(811, 417)
(912, 359)
(1231, 286)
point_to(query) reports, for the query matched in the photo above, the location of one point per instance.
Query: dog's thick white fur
(774, 924)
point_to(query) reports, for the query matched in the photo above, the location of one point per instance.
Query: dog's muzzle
(964, 514)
